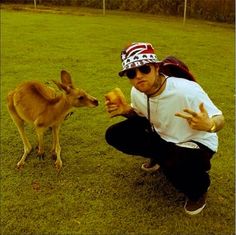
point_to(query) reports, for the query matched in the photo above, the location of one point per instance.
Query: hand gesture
(198, 121)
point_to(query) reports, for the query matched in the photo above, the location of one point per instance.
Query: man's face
(142, 78)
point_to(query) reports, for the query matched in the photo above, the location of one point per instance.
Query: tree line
(212, 10)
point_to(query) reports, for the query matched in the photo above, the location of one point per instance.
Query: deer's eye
(80, 97)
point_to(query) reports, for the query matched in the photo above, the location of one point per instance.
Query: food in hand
(117, 97)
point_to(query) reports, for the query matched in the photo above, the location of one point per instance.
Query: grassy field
(100, 190)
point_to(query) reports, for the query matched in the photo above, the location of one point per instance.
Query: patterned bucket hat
(137, 54)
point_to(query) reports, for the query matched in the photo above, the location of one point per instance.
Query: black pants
(186, 168)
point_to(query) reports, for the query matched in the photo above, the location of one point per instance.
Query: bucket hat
(136, 55)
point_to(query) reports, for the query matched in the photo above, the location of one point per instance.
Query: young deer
(36, 103)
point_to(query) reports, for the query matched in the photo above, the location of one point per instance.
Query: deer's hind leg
(20, 126)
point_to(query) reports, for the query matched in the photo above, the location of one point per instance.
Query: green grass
(100, 190)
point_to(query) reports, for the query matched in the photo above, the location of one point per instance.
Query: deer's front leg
(56, 148)
(40, 132)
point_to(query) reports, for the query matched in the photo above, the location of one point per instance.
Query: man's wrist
(129, 112)
(213, 126)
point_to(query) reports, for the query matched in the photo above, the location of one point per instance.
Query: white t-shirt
(179, 94)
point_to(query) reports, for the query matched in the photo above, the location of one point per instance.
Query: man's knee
(109, 135)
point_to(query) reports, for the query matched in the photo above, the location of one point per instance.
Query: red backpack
(172, 66)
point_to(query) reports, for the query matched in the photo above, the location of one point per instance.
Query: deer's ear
(62, 86)
(66, 78)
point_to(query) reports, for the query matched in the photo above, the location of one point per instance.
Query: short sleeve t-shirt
(179, 94)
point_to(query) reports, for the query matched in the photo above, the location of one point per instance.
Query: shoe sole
(194, 212)
(151, 169)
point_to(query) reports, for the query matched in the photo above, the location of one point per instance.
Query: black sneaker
(150, 166)
(195, 207)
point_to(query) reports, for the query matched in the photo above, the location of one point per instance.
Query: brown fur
(36, 103)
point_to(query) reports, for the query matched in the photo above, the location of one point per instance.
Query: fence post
(104, 6)
(35, 4)
(185, 9)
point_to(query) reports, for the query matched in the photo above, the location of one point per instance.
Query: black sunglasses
(131, 73)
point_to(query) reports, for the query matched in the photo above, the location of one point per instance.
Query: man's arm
(201, 121)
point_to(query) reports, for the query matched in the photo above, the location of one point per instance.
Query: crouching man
(171, 121)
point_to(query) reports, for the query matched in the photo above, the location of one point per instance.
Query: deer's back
(32, 100)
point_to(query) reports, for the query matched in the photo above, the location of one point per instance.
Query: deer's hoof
(41, 156)
(58, 165)
(20, 165)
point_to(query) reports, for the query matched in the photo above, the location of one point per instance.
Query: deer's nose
(95, 102)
